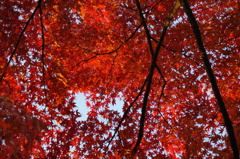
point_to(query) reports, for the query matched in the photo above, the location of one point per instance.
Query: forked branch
(152, 67)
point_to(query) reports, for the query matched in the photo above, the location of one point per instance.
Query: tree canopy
(174, 64)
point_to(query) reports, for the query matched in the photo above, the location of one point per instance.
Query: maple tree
(174, 63)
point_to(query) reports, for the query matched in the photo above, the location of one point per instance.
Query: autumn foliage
(174, 65)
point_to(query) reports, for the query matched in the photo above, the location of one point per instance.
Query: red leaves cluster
(100, 48)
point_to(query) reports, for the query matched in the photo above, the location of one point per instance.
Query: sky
(81, 105)
(83, 109)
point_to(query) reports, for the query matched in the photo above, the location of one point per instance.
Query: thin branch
(43, 56)
(153, 6)
(109, 75)
(164, 81)
(127, 111)
(111, 68)
(19, 39)
(115, 50)
(153, 65)
(43, 68)
(148, 36)
(182, 52)
(43, 49)
(223, 110)
(165, 119)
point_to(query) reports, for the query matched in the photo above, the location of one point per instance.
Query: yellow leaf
(62, 79)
